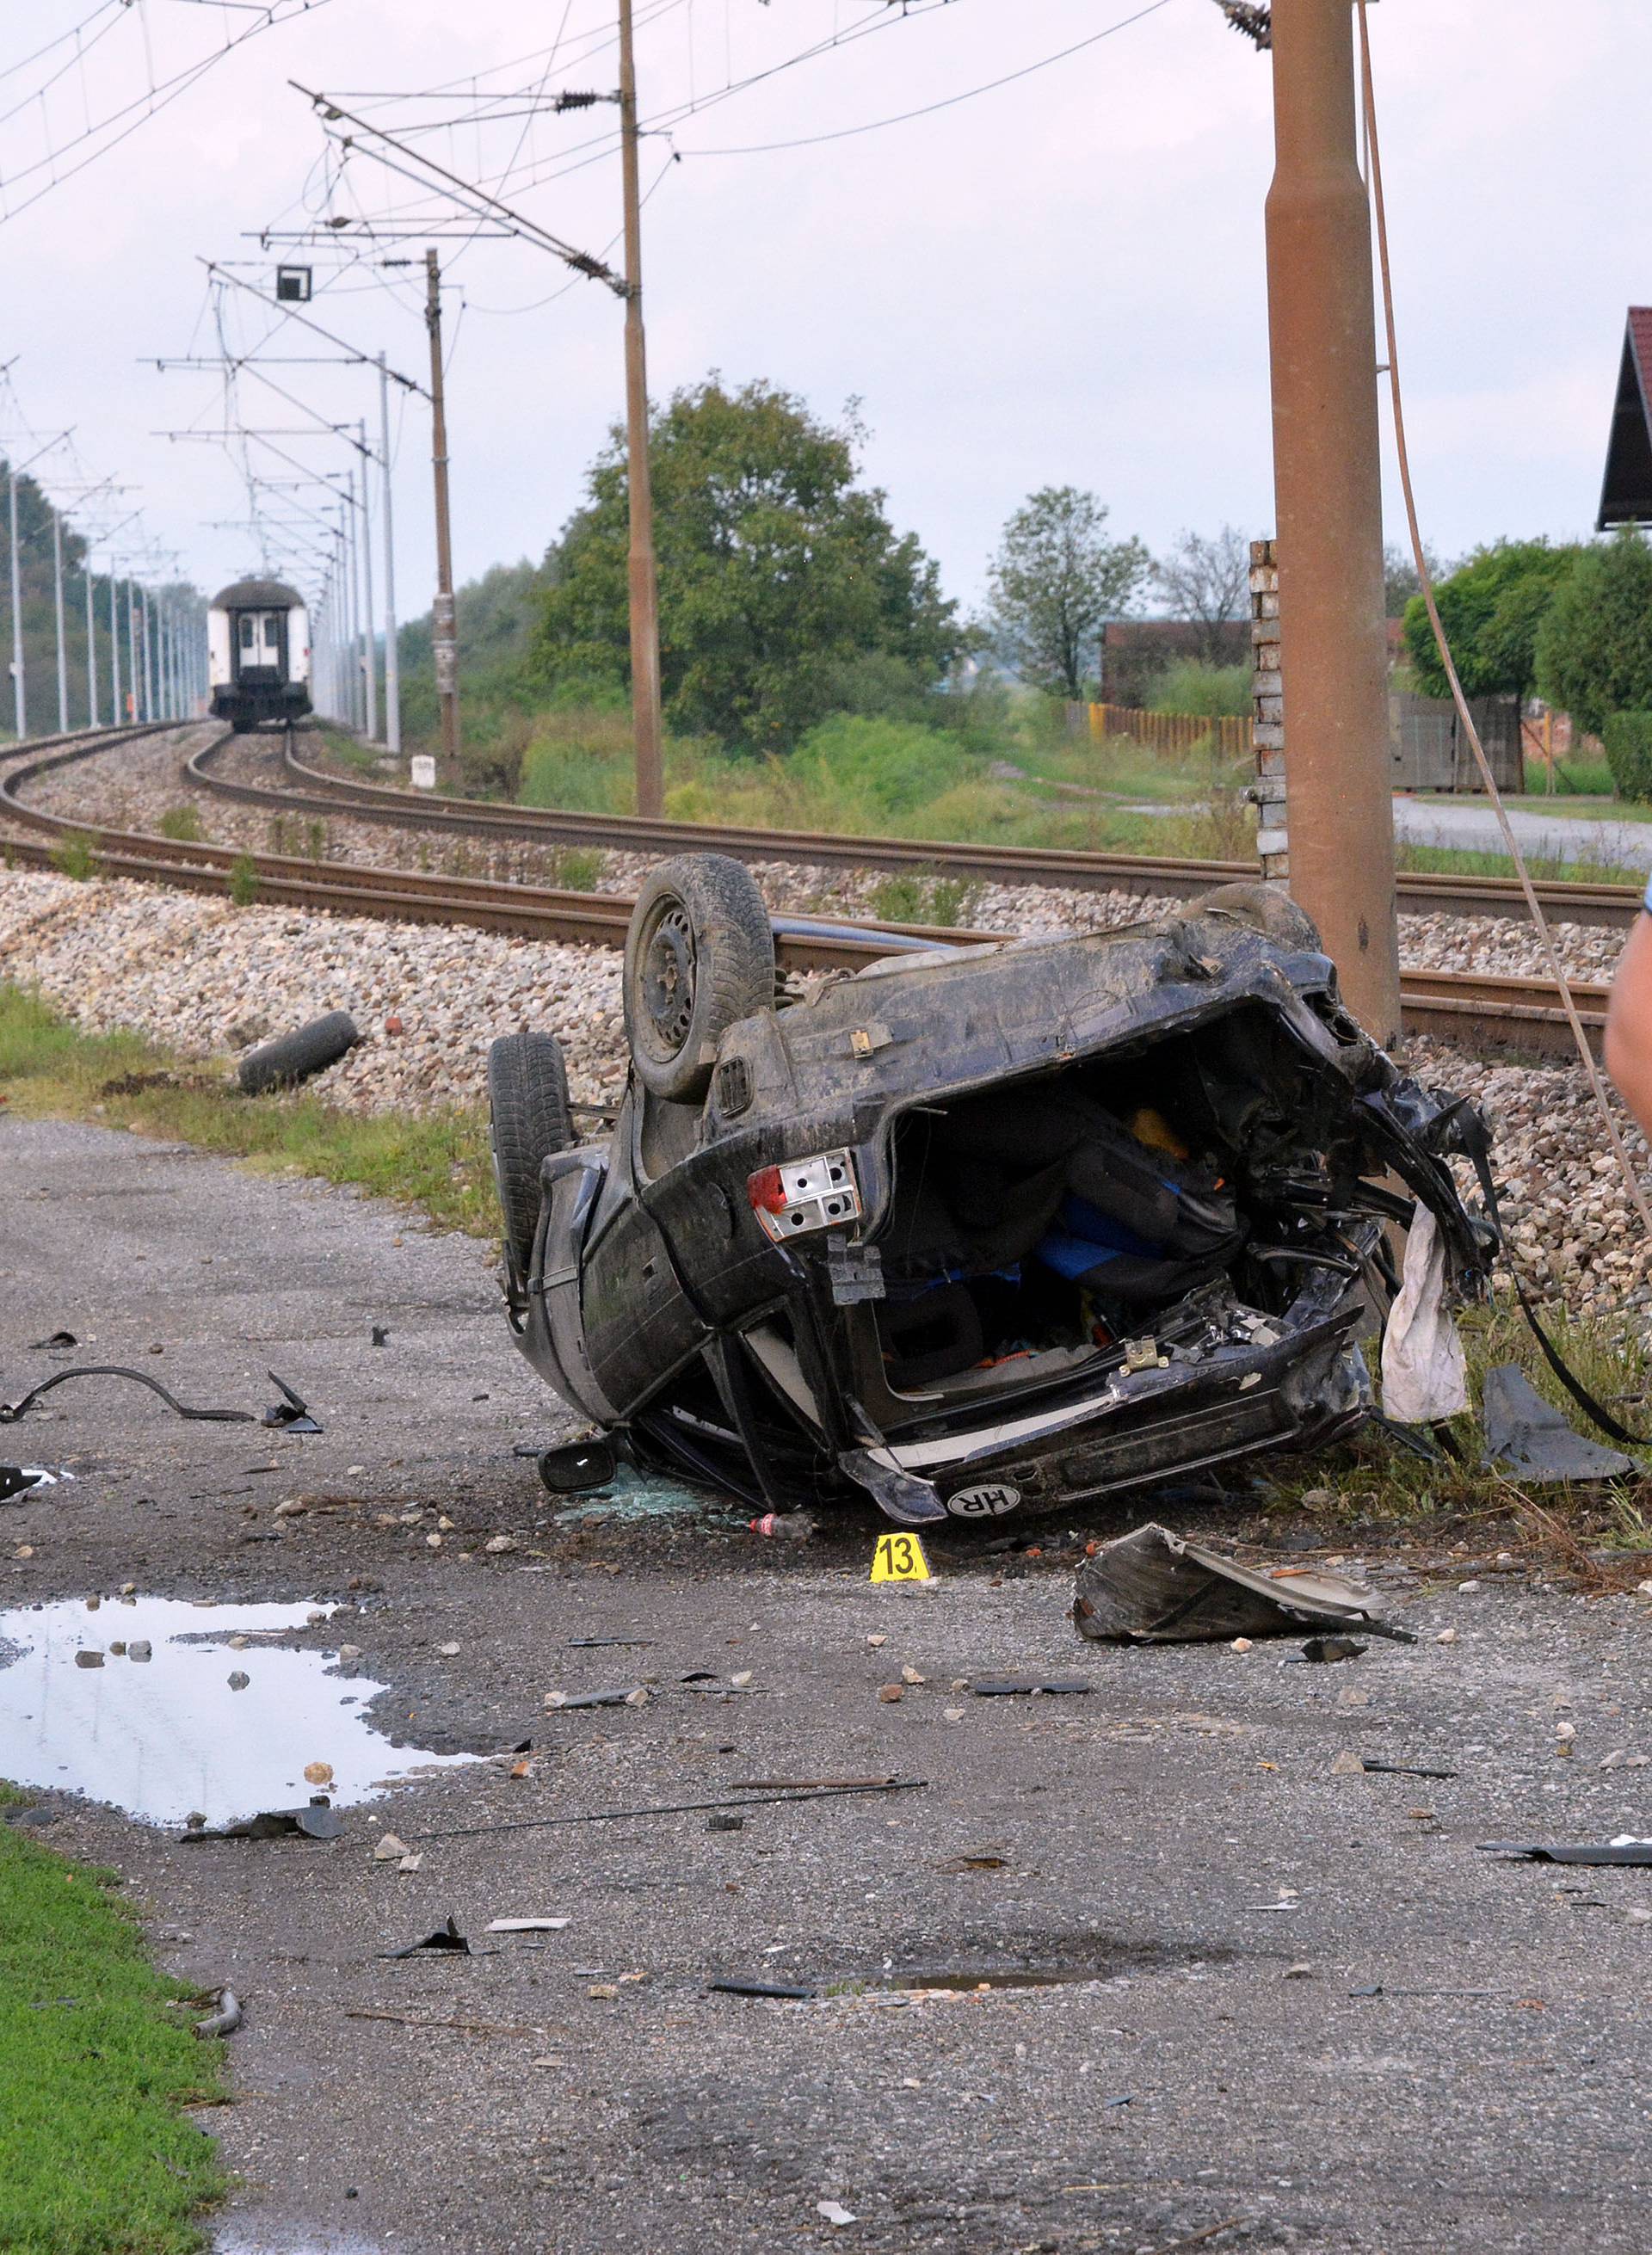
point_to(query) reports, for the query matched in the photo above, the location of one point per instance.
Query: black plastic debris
(54, 1339)
(1027, 1687)
(1323, 1650)
(10, 1411)
(292, 1413)
(1401, 1769)
(30, 1817)
(793, 1990)
(319, 1820)
(381, 1334)
(445, 1936)
(294, 1056)
(1531, 1437)
(22, 1480)
(1622, 1851)
(592, 1643)
(1152, 1587)
(578, 1468)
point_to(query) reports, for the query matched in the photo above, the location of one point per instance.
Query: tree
(1491, 608)
(1207, 584)
(775, 569)
(1400, 580)
(1055, 580)
(1594, 649)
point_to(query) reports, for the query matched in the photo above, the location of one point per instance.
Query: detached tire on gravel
(283, 1064)
(699, 956)
(528, 1109)
(1266, 909)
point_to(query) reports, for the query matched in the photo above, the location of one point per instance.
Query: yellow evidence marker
(899, 1558)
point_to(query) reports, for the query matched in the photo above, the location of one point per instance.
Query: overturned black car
(974, 1230)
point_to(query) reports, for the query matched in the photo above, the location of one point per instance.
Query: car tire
(1266, 909)
(529, 1119)
(295, 1057)
(699, 956)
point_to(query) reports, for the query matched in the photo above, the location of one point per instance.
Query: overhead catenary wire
(1425, 581)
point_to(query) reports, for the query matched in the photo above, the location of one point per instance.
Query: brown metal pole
(645, 680)
(1329, 498)
(443, 636)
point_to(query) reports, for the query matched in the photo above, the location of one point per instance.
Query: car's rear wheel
(699, 956)
(528, 1107)
(1267, 910)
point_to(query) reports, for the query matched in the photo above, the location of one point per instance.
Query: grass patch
(438, 1161)
(76, 856)
(95, 2157)
(1548, 868)
(182, 823)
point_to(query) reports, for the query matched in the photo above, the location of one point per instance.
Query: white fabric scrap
(1423, 1373)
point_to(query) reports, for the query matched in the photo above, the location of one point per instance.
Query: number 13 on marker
(899, 1558)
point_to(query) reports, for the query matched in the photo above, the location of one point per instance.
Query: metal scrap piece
(10, 1411)
(1534, 1438)
(1154, 1587)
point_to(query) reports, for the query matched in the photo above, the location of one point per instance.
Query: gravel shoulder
(1179, 1844)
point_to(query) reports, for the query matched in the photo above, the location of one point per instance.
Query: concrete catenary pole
(1329, 502)
(644, 589)
(91, 647)
(19, 695)
(114, 648)
(369, 655)
(443, 630)
(57, 608)
(392, 656)
(135, 692)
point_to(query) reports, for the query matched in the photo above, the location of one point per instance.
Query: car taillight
(766, 1190)
(805, 1195)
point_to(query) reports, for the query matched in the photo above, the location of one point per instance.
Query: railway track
(1470, 1008)
(313, 791)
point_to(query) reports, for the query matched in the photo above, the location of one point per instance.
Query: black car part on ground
(1002, 1228)
(10, 1411)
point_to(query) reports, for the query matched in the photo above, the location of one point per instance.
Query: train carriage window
(249, 629)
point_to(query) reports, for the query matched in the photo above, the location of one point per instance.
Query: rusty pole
(443, 627)
(644, 589)
(1328, 495)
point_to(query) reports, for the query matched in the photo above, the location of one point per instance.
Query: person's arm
(1629, 1021)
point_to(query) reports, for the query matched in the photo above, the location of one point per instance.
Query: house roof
(1626, 494)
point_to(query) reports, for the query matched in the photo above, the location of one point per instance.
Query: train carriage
(258, 645)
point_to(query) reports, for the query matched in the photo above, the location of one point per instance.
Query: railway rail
(313, 791)
(1470, 1008)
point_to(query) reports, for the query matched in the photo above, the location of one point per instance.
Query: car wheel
(528, 1108)
(699, 956)
(1267, 910)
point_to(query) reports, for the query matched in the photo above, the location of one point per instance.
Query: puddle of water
(162, 1737)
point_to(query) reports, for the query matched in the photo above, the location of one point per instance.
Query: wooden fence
(1172, 734)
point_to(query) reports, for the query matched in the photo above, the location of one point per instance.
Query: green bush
(1191, 686)
(1627, 737)
(244, 881)
(891, 765)
(1594, 647)
(76, 856)
(182, 823)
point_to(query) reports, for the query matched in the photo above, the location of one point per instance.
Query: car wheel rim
(668, 979)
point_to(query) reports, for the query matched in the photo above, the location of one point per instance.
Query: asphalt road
(1471, 828)
(1211, 1900)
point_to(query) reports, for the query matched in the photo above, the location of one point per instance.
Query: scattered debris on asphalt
(10, 1411)
(629, 1695)
(1532, 1437)
(22, 1480)
(678, 1808)
(226, 2017)
(291, 1415)
(319, 1820)
(834, 2212)
(578, 1468)
(1323, 1650)
(1151, 1586)
(527, 1924)
(1031, 1686)
(791, 1991)
(445, 1936)
(1625, 1849)
(1401, 1769)
(54, 1341)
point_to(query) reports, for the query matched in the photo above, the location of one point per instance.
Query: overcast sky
(1059, 281)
